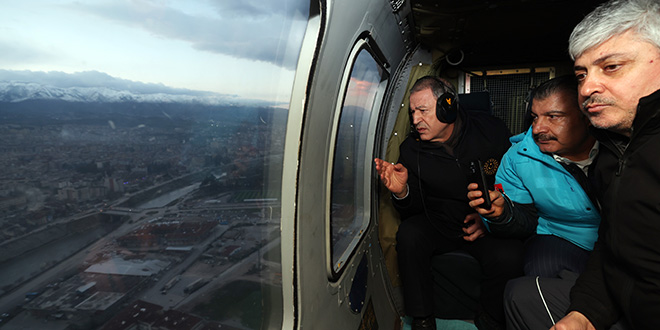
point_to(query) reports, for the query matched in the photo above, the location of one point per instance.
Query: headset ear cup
(446, 108)
(527, 119)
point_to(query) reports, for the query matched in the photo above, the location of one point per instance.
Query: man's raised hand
(393, 176)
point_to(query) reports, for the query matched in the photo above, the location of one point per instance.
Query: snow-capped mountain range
(22, 91)
(93, 86)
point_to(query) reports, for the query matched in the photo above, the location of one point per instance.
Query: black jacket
(623, 274)
(442, 169)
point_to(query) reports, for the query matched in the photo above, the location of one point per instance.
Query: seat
(476, 102)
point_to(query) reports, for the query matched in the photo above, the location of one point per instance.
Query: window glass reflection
(142, 154)
(350, 196)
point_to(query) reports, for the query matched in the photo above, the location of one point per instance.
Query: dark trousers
(418, 240)
(525, 309)
(556, 263)
(547, 255)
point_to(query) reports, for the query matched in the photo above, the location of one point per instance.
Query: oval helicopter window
(351, 173)
(141, 160)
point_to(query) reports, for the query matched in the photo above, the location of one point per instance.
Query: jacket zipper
(614, 187)
(622, 163)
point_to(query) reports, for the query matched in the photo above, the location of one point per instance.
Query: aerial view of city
(141, 148)
(119, 214)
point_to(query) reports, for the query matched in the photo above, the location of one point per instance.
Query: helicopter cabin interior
(495, 53)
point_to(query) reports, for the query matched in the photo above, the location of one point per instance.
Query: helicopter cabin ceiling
(498, 32)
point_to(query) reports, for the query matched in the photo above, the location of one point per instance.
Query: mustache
(544, 137)
(596, 99)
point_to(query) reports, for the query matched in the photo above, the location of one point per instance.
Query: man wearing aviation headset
(429, 188)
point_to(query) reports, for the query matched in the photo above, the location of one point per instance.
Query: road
(234, 272)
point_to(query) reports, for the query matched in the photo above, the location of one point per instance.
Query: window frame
(363, 44)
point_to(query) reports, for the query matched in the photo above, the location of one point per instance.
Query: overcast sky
(246, 48)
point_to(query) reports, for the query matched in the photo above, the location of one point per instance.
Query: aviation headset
(527, 118)
(446, 107)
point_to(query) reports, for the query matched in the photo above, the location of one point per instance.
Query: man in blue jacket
(544, 196)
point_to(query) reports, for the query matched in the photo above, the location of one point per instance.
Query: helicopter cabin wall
(339, 281)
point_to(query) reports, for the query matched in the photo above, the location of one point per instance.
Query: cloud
(269, 31)
(257, 8)
(17, 52)
(93, 79)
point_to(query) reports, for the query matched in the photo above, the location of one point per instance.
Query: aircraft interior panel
(358, 29)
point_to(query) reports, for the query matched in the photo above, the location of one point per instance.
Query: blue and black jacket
(535, 182)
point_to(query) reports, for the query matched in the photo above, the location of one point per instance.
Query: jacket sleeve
(520, 217)
(590, 296)
(517, 221)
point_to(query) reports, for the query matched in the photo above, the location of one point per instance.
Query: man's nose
(589, 85)
(539, 126)
(416, 117)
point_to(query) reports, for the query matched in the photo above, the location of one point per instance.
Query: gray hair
(613, 18)
(437, 85)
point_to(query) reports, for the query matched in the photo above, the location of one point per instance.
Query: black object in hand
(477, 175)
